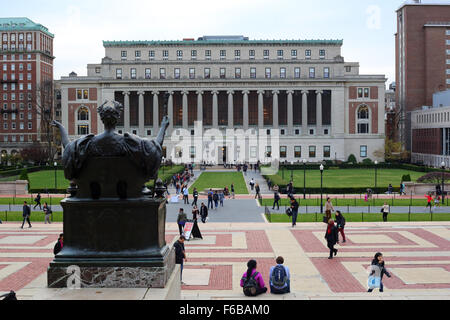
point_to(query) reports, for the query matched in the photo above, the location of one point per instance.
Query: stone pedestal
(98, 235)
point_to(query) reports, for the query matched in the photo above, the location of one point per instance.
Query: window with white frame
(223, 54)
(363, 93)
(207, 73)
(137, 54)
(237, 73)
(326, 72)
(308, 54)
(283, 152)
(237, 54)
(297, 73)
(251, 54)
(123, 55)
(208, 54)
(179, 54)
(223, 73)
(266, 54)
(363, 151)
(191, 73)
(148, 73)
(162, 73)
(151, 54)
(312, 73)
(280, 54)
(165, 54)
(177, 73)
(252, 73)
(283, 73)
(294, 54)
(268, 73)
(363, 115)
(119, 73)
(193, 54)
(268, 153)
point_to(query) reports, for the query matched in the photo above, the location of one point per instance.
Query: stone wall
(19, 187)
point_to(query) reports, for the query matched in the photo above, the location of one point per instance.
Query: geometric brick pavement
(418, 256)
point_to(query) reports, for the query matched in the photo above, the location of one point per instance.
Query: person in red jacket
(429, 199)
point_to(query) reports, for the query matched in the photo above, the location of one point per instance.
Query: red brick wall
(93, 94)
(427, 141)
(435, 77)
(353, 92)
(373, 93)
(73, 107)
(72, 94)
(373, 106)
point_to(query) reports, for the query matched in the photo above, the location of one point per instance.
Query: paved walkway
(416, 254)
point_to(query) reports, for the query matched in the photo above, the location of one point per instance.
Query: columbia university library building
(304, 90)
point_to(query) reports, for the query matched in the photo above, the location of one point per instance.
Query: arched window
(83, 114)
(363, 120)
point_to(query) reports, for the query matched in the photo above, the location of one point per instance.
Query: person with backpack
(203, 212)
(180, 254)
(38, 201)
(252, 184)
(340, 221)
(332, 237)
(378, 270)
(280, 278)
(210, 199)
(26, 213)
(59, 244)
(181, 221)
(48, 213)
(294, 210)
(195, 194)
(276, 201)
(216, 199)
(258, 192)
(252, 282)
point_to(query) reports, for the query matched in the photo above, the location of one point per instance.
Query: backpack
(279, 277)
(250, 285)
(289, 212)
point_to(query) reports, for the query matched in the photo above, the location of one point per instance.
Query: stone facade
(303, 91)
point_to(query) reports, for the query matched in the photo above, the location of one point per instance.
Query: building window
(294, 54)
(162, 73)
(363, 120)
(208, 54)
(118, 73)
(165, 54)
(151, 54)
(123, 54)
(312, 73)
(268, 152)
(148, 73)
(312, 151)
(447, 32)
(179, 54)
(447, 42)
(283, 152)
(137, 54)
(133, 73)
(176, 73)
(322, 54)
(223, 54)
(326, 151)
(266, 54)
(193, 54)
(222, 73)
(192, 152)
(237, 54)
(237, 73)
(85, 94)
(363, 93)
(348, 69)
(83, 114)
(326, 72)
(207, 73)
(280, 54)
(97, 70)
(191, 73)
(363, 151)
(268, 73)
(252, 73)
(298, 152)
(83, 130)
(297, 73)
(308, 54)
(283, 73)
(251, 54)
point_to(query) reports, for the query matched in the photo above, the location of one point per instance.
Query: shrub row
(331, 165)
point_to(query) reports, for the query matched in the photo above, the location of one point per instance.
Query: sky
(366, 26)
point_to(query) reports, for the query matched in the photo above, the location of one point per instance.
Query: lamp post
(304, 179)
(164, 163)
(321, 188)
(55, 164)
(376, 163)
(443, 181)
(292, 172)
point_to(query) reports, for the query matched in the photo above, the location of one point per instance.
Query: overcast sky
(366, 26)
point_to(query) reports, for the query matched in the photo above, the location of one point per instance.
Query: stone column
(155, 112)
(319, 113)
(170, 112)
(185, 109)
(290, 111)
(200, 106)
(245, 111)
(141, 114)
(215, 94)
(126, 112)
(305, 112)
(230, 109)
(261, 109)
(276, 122)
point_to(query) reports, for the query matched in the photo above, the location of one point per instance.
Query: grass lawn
(46, 179)
(346, 178)
(353, 202)
(220, 180)
(358, 217)
(35, 217)
(44, 198)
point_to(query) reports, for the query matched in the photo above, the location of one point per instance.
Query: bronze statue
(146, 154)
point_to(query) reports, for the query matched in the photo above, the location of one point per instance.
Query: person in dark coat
(59, 244)
(340, 221)
(203, 212)
(195, 213)
(294, 208)
(276, 201)
(180, 254)
(216, 199)
(195, 194)
(181, 220)
(378, 266)
(332, 237)
(38, 201)
(210, 199)
(26, 213)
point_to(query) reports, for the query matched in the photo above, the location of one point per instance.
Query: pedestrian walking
(269, 184)
(232, 191)
(195, 213)
(252, 184)
(258, 191)
(38, 201)
(390, 189)
(195, 195)
(48, 213)
(437, 201)
(216, 199)
(290, 189)
(332, 238)
(429, 200)
(280, 278)
(378, 269)
(210, 199)
(59, 244)
(26, 213)
(186, 195)
(204, 213)
(245, 169)
(181, 221)
(221, 198)
(276, 201)
(180, 254)
(385, 211)
(340, 222)
(328, 209)
(252, 282)
(294, 210)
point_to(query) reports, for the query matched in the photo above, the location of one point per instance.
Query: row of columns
(215, 114)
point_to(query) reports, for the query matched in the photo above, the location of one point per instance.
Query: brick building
(321, 106)
(26, 60)
(422, 59)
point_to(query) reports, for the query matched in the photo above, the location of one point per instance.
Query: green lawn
(346, 178)
(44, 198)
(46, 179)
(35, 216)
(353, 202)
(368, 217)
(220, 180)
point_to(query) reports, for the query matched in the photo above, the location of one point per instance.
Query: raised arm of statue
(162, 132)
(64, 136)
